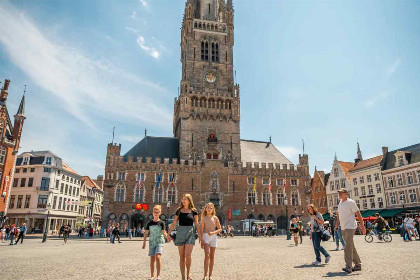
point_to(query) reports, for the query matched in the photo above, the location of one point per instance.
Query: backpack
(13, 231)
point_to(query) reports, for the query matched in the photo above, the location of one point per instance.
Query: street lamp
(44, 237)
(289, 236)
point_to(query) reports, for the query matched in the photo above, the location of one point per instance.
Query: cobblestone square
(236, 258)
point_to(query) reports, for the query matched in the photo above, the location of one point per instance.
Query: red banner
(230, 214)
(140, 206)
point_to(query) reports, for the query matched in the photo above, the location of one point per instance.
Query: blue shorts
(155, 250)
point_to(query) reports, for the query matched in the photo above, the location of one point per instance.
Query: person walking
(130, 233)
(22, 233)
(157, 231)
(13, 233)
(116, 233)
(347, 209)
(300, 227)
(66, 233)
(209, 222)
(187, 216)
(295, 231)
(7, 232)
(338, 234)
(317, 226)
(3, 233)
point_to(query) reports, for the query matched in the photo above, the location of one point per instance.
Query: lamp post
(44, 237)
(287, 219)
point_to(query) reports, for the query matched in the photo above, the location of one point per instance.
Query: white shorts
(210, 240)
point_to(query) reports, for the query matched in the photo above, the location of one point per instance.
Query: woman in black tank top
(187, 216)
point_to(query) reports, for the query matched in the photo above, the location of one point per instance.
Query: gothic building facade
(10, 134)
(245, 179)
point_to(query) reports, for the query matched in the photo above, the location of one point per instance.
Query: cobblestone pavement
(236, 258)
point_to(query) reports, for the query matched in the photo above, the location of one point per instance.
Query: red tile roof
(90, 182)
(346, 166)
(367, 162)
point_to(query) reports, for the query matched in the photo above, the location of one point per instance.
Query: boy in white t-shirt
(347, 209)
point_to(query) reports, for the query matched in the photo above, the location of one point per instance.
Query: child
(295, 231)
(156, 227)
(209, 222)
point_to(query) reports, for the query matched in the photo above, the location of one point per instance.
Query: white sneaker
(343, 248)
(327, 259)
(316, 263)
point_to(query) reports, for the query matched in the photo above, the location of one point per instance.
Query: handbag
(173, 234)
(325, 233)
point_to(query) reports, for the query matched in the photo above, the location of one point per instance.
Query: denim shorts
(155, 250)
(184, 235)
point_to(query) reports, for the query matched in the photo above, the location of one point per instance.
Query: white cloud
(82, 85)
(152, 51)
(131, 29)
(144, 3)
(291, 153)
(130, 138)
(375, 99)
(391, 69)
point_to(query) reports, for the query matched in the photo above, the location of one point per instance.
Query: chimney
(384, 151)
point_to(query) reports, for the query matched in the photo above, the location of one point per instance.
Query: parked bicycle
(386, 236)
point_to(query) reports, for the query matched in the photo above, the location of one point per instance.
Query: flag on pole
(140, 184)
(173, 181)
(269, 185)
(159, 179)
(255, 183)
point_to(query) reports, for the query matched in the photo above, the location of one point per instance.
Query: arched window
(204, 51)
(158, 195)
(228, 105)
(280, 197)
(171, 194)
(139, 194)
(266, 197)
(251, 196)
(215, 52)
(295, 198)
(2, 154)
(120, 193)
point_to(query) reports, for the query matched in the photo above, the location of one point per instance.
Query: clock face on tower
(210, 77)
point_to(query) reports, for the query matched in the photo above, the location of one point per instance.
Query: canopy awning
(390, 212)
(369, 213)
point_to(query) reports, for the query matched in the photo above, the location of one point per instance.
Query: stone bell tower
(207, 110)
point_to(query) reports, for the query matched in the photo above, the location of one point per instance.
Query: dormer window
(25, 161)
(400, 160)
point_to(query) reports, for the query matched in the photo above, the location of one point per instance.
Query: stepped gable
(412, 154)
(346, 167)
(367, 162)
(155, 147)
(262, 152)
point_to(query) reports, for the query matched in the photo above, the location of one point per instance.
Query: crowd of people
(13, 234)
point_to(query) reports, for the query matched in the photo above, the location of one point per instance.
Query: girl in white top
(210, 227)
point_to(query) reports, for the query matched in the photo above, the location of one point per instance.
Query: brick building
(10, 134)
(206, 156)
(318, 190)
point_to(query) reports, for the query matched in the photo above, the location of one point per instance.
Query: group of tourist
(296, 229)
(13, 233)
(184, 236)
(345, 225)
(85, 232)
(262, 230)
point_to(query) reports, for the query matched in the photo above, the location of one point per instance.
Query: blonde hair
(159, 207)
(204, 213)
(313, 208)
(190, 204)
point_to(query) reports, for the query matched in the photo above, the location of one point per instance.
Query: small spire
(335, 156)
(145, 132)
(229, 5)
(270, 139)
(21, 110)
(359, 152)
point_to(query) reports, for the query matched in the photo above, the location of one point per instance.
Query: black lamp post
(289, 236)
(44, 237)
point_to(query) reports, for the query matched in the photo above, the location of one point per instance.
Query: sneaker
(337, 249)
(348, 269)
(316, 263)
(357, 268)
(327, 259)
(343, 248)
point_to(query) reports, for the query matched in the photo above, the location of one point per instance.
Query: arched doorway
(261, 217)
(124, 222)
(271, 217)
(282, 222)
(250, 216)
(138, 221)
(112, 219)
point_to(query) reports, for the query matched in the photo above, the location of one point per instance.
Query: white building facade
(44, 186)
(339, 178)
(367, 188)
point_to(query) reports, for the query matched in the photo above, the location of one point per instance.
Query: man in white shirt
(347, 209)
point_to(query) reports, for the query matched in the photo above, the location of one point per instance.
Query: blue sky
(330, 72)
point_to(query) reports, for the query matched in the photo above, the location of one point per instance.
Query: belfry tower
(207, 110)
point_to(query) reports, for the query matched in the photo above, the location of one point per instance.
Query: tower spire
(359, 153)
(21, 110)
